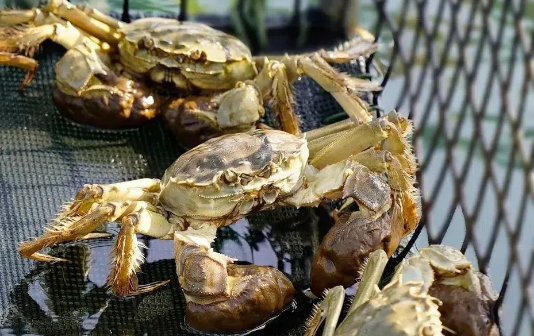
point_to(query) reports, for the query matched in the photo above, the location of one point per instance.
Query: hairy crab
(101, 80)
(227, 178)
(434, 292)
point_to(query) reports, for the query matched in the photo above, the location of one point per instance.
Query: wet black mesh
(46, 159)
(462, 70)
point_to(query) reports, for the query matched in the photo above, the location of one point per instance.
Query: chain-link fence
(462, 70)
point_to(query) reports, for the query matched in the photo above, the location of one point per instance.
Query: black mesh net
(463, 71)
(46, 159)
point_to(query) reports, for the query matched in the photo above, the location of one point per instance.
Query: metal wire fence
(466, 77)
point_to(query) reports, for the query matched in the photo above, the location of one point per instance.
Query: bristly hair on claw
(362, 267)
(10, 40)
(57, 226)
(314, 321)
(123, 278)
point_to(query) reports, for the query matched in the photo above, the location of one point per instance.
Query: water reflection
(72, 299)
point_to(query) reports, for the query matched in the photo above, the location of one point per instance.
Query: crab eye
(165, 42)
(146, 42)
(197, 55)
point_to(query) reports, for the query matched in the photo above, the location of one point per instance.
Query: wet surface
(72, 298)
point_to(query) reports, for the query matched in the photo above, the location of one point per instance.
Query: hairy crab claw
(434, 292)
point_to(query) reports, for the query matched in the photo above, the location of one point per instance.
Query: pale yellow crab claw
(432, 291)
(330, 306)
(330, 309)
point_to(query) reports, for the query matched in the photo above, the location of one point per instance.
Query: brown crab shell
(465, 312)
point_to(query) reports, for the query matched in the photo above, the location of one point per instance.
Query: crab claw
(89, 93)
(194, 120)
(122, 103)
(221, 296)
(258, 292)
(344, 249)
(474, 315)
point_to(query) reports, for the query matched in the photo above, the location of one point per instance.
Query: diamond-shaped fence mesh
(462, 70)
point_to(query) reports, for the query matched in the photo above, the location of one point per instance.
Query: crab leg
(22, 62)
(92, 206)
(342, 87)
(28, 39)
(98, 15)
(141, 217)
(93, 26)
(332, 129)
(348, 51)
(274, 86)
(68, 230)
(132, 202)
(17, 17)
(338, 146)
(97, 25)
(220, 296)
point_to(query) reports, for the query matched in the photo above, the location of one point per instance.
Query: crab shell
(225, 179)
(399, 310)
(188, 54)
